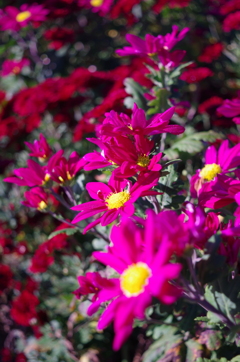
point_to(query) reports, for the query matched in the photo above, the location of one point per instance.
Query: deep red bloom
(43, 257)
(24, 308)
(6, 276)
(195, 75)
(211, 102)
(58, 37)
(160, 4)
(211, 52)
(229, 6)
(232, 22)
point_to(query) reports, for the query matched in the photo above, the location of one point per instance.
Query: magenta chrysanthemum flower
(36, 198)
(62, 170)
(138, 124)
(13, 19)
(13, 67)
(40, 149)
(152, 45)
(115, 199)
(144, 269)
(131, 155)
(34, 175)
(101, 6)
(216, 163)
(230, 108)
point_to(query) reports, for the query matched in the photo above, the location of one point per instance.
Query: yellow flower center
(209, 172)
(134, 279)
(151, 54)
(117, 200)
(143, 161)
(42, 205)
(46, 178)
(24, 15)
(96, 3)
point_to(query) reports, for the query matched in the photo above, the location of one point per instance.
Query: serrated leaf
(191, 144)
(68, 232)
(211, 338)
(223, 295)
(167, 347)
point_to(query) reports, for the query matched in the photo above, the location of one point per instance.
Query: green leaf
(166, 348)
(137, 93)
(191, 143)
(211, 338)
(177, 71)
(68, 232)
(194, 350)
(223, 295)
(159, 104)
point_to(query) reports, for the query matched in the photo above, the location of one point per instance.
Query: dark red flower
(6, 276)
(210, 53)
(58, 37)
(195, 75)
(24, 308)
(232, 22)
(210, 103)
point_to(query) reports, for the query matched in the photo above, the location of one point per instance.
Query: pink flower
(230, 108)
(36, 198)
(34, 175)
(62, 170)
(115, 199)
(144, 269)
(40, 149)
(101, 6)
(195, 75)
(138, 124)
(13, 66)
(132, 155)
(219, 194)
(217, 163)
(152, 45)
(13, 19)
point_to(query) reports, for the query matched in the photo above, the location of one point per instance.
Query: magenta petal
(88, 205)
(91, 225)
(109, 217)
(137, 42)
(111, 260)
(96, 188)
(211, 155)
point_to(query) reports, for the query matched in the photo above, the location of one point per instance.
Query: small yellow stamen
(42, 205)
(24, 15)
(134, 279)
(46, 178)
(96, 3)
(69, 177)
(143, 161)
(61, 179)
(151, 54)
(209, 172)
(117, 200)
